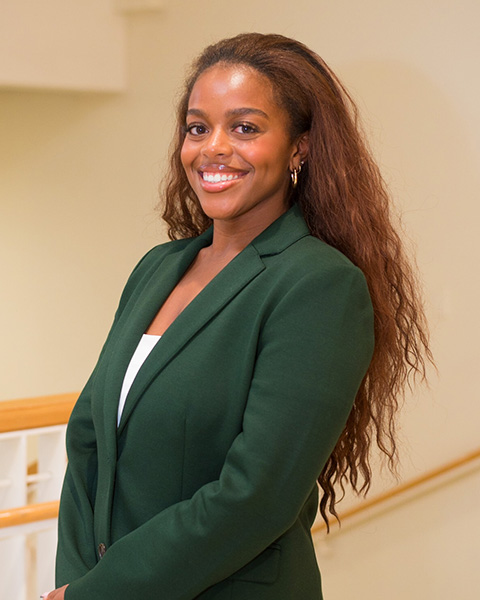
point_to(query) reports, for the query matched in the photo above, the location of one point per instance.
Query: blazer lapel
(135, 319)
(225, 286)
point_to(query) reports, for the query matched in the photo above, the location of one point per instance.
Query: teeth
(216, 177)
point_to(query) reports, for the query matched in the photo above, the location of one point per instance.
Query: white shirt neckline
(146, 344)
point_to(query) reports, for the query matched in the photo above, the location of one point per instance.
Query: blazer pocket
(263, 568)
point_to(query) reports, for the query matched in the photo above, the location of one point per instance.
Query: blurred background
(87, 100)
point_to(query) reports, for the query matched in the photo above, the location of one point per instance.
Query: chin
(219, 209)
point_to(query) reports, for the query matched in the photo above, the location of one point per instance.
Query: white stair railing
(32, 466)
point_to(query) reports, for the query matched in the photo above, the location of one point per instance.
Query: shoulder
(159, 252)
(313, 293)
(148, 265)
(289, 247)
(311, 261)
(154, 257)
(312, 282)
(317, 254)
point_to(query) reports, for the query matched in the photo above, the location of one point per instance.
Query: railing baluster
(13, 582)
(27, 550)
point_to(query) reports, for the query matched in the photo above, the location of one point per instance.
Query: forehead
(233, 86)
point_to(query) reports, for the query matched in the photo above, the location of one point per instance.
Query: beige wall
(78, 185)
(62, 44)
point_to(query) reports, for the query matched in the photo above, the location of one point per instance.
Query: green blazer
(207, 489)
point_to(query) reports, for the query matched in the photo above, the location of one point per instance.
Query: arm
(313, 353)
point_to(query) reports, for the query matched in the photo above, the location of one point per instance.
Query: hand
(58, 594)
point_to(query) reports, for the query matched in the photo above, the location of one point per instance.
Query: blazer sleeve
(76, 546)
(313, 352)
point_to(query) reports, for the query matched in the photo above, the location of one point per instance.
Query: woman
(270, 341)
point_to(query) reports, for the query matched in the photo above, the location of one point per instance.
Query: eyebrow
(235, 112)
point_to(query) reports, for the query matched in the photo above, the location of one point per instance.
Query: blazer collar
(282, 233)
(285, 231)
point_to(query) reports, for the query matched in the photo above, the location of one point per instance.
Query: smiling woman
(252, 356)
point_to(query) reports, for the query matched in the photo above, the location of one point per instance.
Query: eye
(245, 129)
(196, 129)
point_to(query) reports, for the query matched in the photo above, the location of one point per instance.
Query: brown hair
(345, 203)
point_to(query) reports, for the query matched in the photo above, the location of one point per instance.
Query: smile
(218, 177)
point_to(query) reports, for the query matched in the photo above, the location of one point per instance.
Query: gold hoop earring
(294, 174)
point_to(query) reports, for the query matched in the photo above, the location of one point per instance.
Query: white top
(145, 346)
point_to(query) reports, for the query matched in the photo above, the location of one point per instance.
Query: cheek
(189, 153)
(272, 156)
(186, 158)
(259, 155)
(185, 155)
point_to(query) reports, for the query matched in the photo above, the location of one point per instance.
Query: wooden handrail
(30, 413)
(29, 514)
(404, 487)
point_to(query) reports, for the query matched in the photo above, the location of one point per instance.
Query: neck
(232, 236)
(229, 240)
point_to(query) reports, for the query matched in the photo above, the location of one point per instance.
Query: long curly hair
(345, 203)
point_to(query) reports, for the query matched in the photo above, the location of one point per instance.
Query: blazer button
(101, 550)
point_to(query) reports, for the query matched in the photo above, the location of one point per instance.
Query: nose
(217, 143)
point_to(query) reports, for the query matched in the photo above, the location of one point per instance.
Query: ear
(300, 151)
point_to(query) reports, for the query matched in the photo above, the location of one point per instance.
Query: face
(237, 152)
